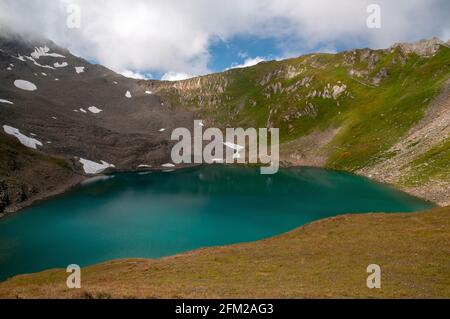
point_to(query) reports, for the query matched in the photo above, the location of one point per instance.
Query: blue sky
(225, 54)
(237, 50)
(243, 50)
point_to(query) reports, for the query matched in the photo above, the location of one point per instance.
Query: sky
(178, 39)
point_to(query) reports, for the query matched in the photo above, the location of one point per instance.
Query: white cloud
(175, 76)
(248, 63)
(163, 35)
(136, 75)
(242, 54)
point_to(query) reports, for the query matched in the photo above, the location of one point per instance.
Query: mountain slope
(346, 111)
(123, 133)
(27, 176)
(381, 113)
(79, 111)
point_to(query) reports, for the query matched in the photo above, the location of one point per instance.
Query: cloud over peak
(176, 76)
(248, 62)
(174, 37)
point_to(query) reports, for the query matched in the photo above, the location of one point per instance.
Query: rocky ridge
(328, 106)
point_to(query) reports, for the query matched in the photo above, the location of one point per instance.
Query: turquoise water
(161, 214)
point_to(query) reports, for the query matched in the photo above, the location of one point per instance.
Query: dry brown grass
(322, 260)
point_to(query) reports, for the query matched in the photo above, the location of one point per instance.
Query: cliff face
(202, 92)
(27, 176)
(425, 48)
(347, 111)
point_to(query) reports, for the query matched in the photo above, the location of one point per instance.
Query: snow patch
(162, 130)
(79, 69)
(39, 65)
(25, 140)
(234, 146)
(60, 65)
(25, 85)
(92, 168)
(148, 92)
(237, 148)
(83, 110)
(168, 165)
(6, 101)
(94, 110)
(44, 51)
(128, 95)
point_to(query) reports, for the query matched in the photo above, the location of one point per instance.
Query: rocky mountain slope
(26, 176)
(380, 113)
(81, 116)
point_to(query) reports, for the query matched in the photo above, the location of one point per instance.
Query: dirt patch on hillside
(308, 150)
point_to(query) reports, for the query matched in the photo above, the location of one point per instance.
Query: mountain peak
(424, 47)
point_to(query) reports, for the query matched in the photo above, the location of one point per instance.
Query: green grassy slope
(347, 111)
(434, 164)
(385, 114)
(386, 94)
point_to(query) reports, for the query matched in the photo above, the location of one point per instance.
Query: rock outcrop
(423, 47)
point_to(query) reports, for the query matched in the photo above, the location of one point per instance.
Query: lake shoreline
(59, 190)
(162, 214)
(419, 192)
(375, 231)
